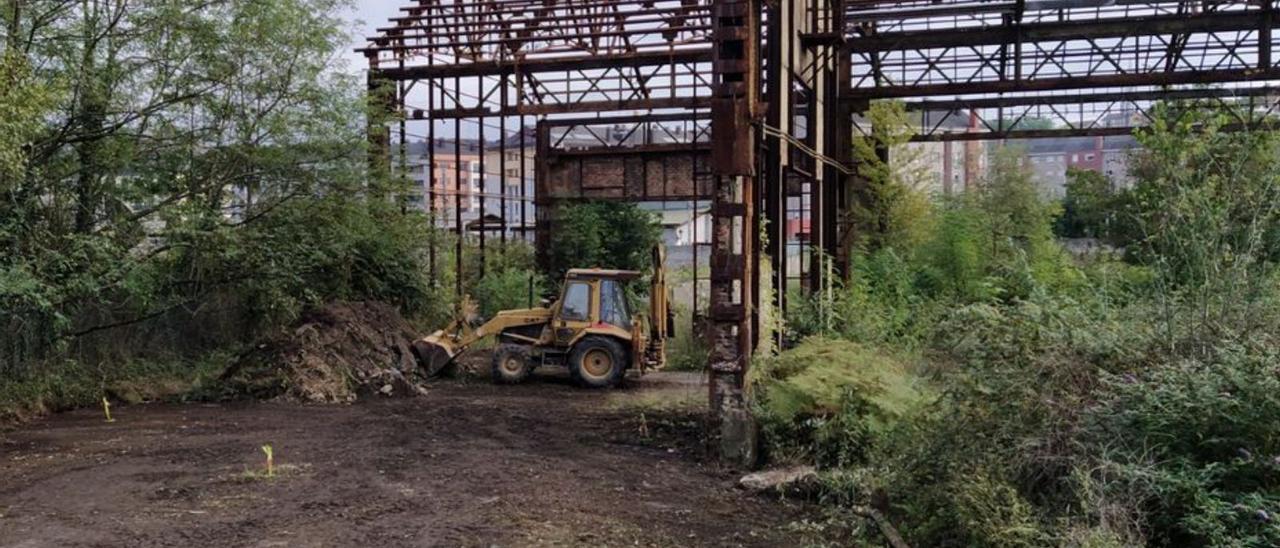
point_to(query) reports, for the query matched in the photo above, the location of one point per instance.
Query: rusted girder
(533, 66)
(1043, 32)
(1070, 83)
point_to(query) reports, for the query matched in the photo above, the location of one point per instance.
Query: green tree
(177, 176)
(892, 208)
(1205, 217)
(1090, 206)
(604, 235)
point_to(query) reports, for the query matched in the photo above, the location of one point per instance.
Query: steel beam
(555, 64)
(1070, 83)
(1208, 22)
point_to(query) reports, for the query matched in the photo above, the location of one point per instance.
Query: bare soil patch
(468, 464)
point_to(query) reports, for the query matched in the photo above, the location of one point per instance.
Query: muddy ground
(470, 464)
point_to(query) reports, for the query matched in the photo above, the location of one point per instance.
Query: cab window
(613, 305)
(577, 302)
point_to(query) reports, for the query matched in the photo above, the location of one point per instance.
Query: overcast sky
(368, 15)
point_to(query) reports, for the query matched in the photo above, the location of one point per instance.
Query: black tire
(511, 364)
(598, 362)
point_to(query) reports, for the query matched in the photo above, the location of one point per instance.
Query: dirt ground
(470, 464)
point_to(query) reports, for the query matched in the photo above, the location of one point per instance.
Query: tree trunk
(91, 115)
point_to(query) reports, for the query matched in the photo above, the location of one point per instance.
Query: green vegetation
(602, 235)
(271, 460)
(174, 180)
(686, 351)
(998, 392)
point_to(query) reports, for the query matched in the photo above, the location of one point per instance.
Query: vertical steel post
(1265, 28)
(735, 107)
(484, 168)
(502, 157)
(432, 211)
(457, 193)
(774, 199)
(524, 181)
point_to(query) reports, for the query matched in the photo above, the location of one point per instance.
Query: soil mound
(335, 354)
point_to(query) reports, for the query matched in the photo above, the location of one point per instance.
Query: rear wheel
(511, 364)
(598, 362)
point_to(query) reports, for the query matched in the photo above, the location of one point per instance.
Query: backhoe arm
(439, 349)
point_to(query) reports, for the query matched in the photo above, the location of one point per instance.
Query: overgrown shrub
(1195, 443)
(832, 400)
(1098, 404)
(158, 215)
(601, 235)
(1091, 206)
(688, 351)
(509, 289)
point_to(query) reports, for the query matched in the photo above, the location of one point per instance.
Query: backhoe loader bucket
(434, 353)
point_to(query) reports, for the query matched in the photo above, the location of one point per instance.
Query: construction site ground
(469, 464)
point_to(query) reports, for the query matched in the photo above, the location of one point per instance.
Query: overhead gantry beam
(1078, 64)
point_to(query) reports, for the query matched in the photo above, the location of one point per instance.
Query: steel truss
(750, 106)
(1073, 63)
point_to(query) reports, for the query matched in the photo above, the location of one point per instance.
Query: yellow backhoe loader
(590, 329)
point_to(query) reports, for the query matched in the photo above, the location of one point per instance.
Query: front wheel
(598, 362)
(511, 364)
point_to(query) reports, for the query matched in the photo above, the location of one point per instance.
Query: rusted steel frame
(898, 13)
(524, 181)
(502, 156)
(433, 213)
(1085, 98)
(483, 191)
(612, 79)
(656, 22)
(1046, 32)
(735, 109)
(1022, 134)
(1266, 26)
(520, 7)
(496, 23)
(551, 51)
(1071, 82)
(479, 23)
(1060, 56)
(836, 145)
(1070, 132)
(457, 203)
(643, 150)
(549, 39)
(605, 106)
(893, 10)
(631, 119)
(558, 64)
(773, 188)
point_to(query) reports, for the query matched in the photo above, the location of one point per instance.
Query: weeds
(106, 410)
(271, 460)
(1001, 394)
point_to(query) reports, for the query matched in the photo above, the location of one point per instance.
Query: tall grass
(1107, 402)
